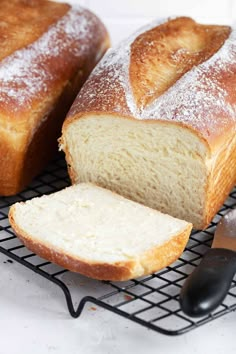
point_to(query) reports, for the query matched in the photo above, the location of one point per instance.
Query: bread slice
(95, 232)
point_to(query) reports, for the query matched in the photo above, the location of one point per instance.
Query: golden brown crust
(10, 162)
(152, 261)
(57, 68)
(24, 21)
(157, 66)
(166, 254)
(30, 125)
(222, 179)
(130, 78)
(21, 165)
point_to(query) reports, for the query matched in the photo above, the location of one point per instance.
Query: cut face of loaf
(160, 166)
(100, 234)
(156, 121)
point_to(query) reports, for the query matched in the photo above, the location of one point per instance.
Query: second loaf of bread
(47, 51)
(156, 120)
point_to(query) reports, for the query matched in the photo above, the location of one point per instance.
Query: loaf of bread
(90, 230)
(47, 50)
(156, 120)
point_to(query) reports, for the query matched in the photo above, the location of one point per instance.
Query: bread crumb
(128, 297)
(93, 308)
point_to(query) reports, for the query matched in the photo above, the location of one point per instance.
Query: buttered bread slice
(95, 232)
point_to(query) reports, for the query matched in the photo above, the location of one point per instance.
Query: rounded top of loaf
(48, 44)
(176, 71)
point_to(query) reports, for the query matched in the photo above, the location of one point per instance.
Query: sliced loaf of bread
(95, 232)
(156, 120)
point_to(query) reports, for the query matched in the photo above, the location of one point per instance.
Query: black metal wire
(152, 301)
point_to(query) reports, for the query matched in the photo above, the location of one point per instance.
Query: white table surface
(34, 319)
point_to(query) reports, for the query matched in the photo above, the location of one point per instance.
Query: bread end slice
(103, 257)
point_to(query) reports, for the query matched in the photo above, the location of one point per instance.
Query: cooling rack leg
(68, 297)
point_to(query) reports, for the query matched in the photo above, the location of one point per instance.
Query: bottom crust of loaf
(151, 261)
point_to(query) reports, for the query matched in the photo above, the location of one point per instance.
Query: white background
(124, 16)
(33, 314)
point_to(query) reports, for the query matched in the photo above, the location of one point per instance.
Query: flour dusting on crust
(26, 73)
(198, 99)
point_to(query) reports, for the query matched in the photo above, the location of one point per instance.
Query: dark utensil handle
(209, 283)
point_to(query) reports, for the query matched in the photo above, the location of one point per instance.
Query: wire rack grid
(152, 301)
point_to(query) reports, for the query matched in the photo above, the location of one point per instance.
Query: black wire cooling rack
(151, 301)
